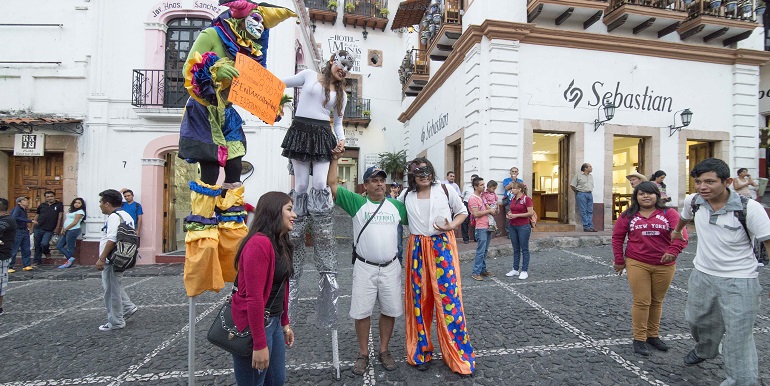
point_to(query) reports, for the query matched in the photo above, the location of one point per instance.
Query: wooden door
(32, 176)
(641, 166)
(564, 188)
(169, 234)
(695, 154)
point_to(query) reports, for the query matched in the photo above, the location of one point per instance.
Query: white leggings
(302, 174)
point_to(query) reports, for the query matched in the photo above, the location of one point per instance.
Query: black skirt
(309, 140)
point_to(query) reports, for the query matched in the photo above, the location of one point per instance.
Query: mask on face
(253, 25)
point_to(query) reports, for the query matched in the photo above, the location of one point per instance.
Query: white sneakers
(523, 275)
(512, 273)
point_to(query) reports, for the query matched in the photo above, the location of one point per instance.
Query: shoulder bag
(355, 255)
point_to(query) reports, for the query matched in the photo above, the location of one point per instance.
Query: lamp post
(609, 112)
(686, 119)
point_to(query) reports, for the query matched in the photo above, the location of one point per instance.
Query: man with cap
(376, 275)
(19, 214)
(635, 178)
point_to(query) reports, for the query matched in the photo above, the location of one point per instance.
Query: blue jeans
(519, 235)
(585, 202)
(21, 241)
(729, 306)
(245, 375)
(42, 241)
(483, 237)
(116, 300)
(66, 244)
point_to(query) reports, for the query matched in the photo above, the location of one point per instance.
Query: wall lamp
(609, 112)
(686, 119)
(365, 33)
(312, 26)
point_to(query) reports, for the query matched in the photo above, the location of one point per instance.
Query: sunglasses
(421, 172)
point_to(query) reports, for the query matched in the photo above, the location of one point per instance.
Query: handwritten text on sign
(256, 89)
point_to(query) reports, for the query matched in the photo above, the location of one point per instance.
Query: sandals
(386, 359)
(362, 362)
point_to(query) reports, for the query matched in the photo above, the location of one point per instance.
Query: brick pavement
(568, 324)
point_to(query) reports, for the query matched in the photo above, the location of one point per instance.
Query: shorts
(372, 283)
(4, 264)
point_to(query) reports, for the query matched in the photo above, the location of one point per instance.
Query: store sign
(347, 43)
(371, 160)
(619, 96)
(29, 145)
(164, 7)
(351, 138)
(433, 127)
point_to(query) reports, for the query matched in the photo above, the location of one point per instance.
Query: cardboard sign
(256, 89)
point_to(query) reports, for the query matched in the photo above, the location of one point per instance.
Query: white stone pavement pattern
(568, 324)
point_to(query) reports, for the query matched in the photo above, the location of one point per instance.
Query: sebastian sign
(433, 127)
(620, 97)
(256, 89)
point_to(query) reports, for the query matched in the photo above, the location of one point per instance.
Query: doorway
(347, 173)
(627, 157)
(549, 178)
(32, 176)
(176, 201)
(696, 151)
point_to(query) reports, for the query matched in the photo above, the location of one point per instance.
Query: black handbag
(355, 255)
(223, 333)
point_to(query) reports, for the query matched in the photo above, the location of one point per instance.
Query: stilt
(191, 345)
(336, 355)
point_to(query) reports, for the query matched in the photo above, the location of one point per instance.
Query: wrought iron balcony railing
(727, 9)
(367, 8)
(358, 109)
(321, 4)
(673, 5)
(158, 88)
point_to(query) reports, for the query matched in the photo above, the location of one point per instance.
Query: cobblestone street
(568, 324)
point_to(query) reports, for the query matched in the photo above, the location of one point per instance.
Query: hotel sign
(620, 96)
(29, 145)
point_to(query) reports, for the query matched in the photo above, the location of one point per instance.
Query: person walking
(483, 235)
(375, 274)
(7, 235)
(261, 299)
(519, 229)
(723, 291)
(71, 230)
(49, 218)
(649, 259)
(433, 272)
(658, 178)
(583, 185)
(21, 241)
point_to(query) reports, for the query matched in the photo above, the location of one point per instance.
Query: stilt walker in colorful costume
(309, 144)
(211, 135)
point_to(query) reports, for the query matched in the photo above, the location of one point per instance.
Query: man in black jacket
(7, 235)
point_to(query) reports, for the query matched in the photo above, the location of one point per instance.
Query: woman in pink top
(649, 259)
(264, 264)
(519, 229)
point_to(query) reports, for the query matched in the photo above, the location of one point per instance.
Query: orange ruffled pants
(433, 281)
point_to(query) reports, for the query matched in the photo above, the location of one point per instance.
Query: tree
(394, 164)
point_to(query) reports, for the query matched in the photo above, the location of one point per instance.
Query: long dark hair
(647, 187)
(268, 220)
(414, 164)
(82, 206)
(659, 173)
(328, 82)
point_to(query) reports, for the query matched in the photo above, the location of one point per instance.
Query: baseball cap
(395, 184)
(372, 171)
(637, 175)
(18, 200)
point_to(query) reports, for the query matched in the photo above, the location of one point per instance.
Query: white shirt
(439, 207)
(110, 230)
(454, 185)
(724, 250)
(312, 98)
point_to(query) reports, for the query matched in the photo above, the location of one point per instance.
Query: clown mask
(253, 25)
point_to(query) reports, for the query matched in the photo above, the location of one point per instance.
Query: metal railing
(597, 1)
(158, 88)
(319, 4)
(368, 8)
(727, 9)
(673, 5)
(415, 62)
(358, 109)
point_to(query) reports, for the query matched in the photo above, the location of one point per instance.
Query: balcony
(585, 12)
(734, 21)
(414, 72)
(366, 13)
(321, 10)
(660, 16)
(357, 112)
(444, 27)
(158, 88)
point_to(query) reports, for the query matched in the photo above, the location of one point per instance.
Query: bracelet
(676, 231)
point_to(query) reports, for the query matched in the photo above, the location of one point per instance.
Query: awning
(27, 124)
(409, 13)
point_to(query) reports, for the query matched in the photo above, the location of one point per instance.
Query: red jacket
(255, 280)
(648, 238)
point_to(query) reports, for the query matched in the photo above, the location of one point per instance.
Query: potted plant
(366, 113)
(394, 163)
(384, 12)
(350, 7)
(332, 6)
(760, 10)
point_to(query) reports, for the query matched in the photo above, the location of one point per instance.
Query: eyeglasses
(421, 172)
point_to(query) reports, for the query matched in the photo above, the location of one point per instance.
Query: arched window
(180, 37)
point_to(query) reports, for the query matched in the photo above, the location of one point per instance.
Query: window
(180, 37)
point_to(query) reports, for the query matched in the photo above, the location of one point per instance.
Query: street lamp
(686, 119)
(609, 112)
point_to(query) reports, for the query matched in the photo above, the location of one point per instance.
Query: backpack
(125, 253)
(760, 253)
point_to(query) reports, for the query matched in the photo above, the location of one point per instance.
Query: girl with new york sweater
(649, 259)
(264, 264)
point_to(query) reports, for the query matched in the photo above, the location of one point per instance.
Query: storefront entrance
(696, 151)
(176, 201)
(627, 157)
(549, 180)
(32, 176)
(347, 173)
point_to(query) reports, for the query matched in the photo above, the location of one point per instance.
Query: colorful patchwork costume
(212, 135)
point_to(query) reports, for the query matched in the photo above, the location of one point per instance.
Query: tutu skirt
(309, 140)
